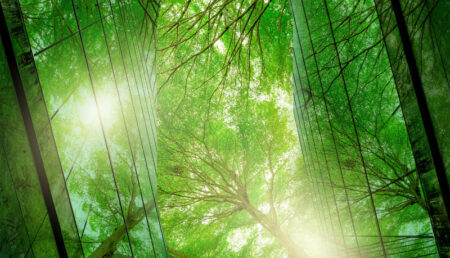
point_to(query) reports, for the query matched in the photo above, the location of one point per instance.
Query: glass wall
(416, 39)
(78, 138)
(354, 130)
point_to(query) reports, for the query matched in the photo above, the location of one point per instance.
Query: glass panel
(57, 227)
(353, 134)
(96, 72)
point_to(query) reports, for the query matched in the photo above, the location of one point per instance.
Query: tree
(220, 166)
(223, 136)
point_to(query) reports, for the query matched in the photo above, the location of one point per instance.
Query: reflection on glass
(94, 120)
(358, 154)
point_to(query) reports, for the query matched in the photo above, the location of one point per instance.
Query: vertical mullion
(354, 127)
(322, 180)
(312, 161)
(122, 12)
(422, 103)
(125, 123)
(102, 126)
(319, 131)
(331, 126)
(152, 125)
(416, 114)
(307, 165)
(123, 18)
(145, 74)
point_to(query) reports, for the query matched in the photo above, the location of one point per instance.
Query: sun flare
(105, 108)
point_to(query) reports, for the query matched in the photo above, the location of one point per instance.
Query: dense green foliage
(229, 174)
(89, 78)
(351, 125)
(280, 128)
(223, 66)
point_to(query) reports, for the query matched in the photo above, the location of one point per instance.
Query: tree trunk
(175, 253)
(274, 229)
(109, 245)
(285, 240)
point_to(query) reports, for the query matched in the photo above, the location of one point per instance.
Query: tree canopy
(224, 128)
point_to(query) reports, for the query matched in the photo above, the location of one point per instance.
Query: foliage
(230, 87)
(89, 83)
(227, 146)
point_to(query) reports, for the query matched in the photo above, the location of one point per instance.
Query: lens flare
(107, 108)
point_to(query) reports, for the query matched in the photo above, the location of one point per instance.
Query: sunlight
(220, 46)
(107, 107)
(316, 244)
(224, 128)
(238, 239)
